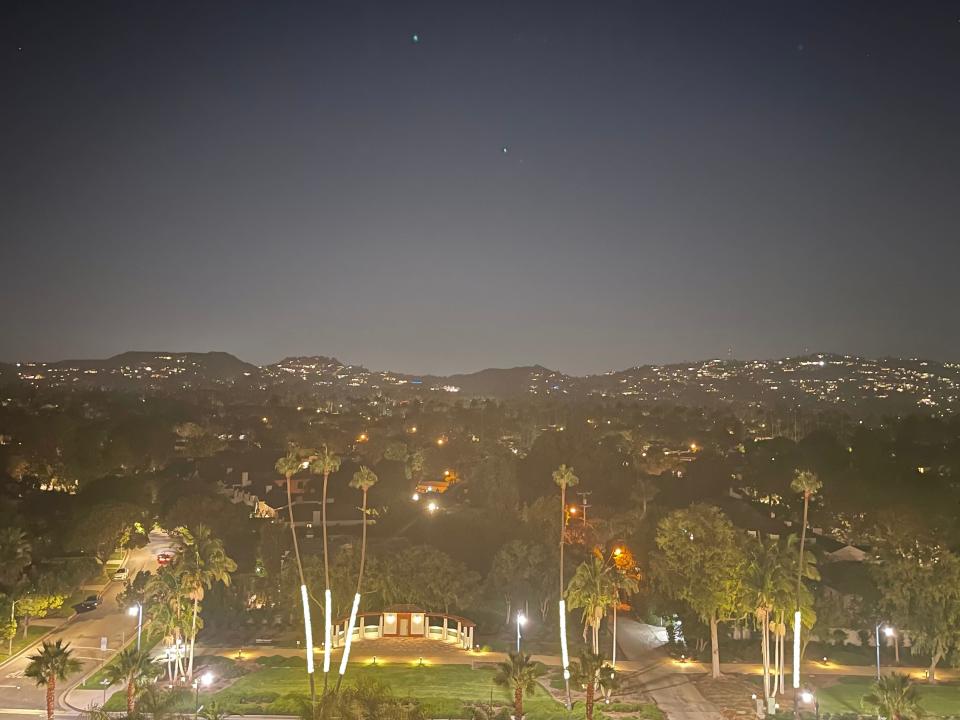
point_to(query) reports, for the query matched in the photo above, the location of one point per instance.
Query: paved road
(19, 697)
(670, 686)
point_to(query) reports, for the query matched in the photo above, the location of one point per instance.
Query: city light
(806, 696)
(432, 507)
(132, 611)
(889, 631)
(415, 497)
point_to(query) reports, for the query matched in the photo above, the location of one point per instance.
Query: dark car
(91, 603)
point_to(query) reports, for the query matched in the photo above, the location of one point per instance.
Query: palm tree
(54, 662)
(131, 667)
(806, 482)
(592, 589)
(167, 601)
(324, 464)
(288, 466)
(894, 697)
(519, 674)
(766, 578)
(592, 672)
(157, 704)
(563, 476)
(363, 479)
(201, 562)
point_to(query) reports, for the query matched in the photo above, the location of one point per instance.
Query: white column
(444, 628)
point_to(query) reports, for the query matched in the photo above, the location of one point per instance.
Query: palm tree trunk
(193, 633)
(563, 520)
(803, 540)
(363, 541)
(130, 698)
(765, 652)
(293, 531)
(518, 703)
(327, 634)
(323, 520)
(588, 705)
(51, 695)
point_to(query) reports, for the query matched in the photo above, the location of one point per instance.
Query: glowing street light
(416, 496)
(432, 507)
(809, 697)
(137, 610)
(206, 680)
(887, 632)
(521, 620)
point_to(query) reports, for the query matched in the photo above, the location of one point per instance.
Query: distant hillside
(848, 383)
(500, 382)
(141, 369)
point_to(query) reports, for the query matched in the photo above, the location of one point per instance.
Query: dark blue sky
(681, 180)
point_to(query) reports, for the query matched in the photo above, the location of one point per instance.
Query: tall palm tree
(363, 479)
(593, 673)
(766, 578)
(288, 466)
(592, 588)
(131, 667)
(54, 662)
(894, 697)
(324, 464)
(563, 476)
(520, 675)
(167, 602)
(807, 483)
(202, 561)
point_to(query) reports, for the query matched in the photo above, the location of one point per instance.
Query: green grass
(34, 632)
(442, 690)
(844, 696)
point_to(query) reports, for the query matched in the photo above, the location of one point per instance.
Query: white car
(120, 574)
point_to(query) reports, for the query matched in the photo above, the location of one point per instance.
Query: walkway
(670, 685)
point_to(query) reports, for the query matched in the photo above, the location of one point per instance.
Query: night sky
(587, 185)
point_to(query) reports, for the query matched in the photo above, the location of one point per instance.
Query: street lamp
(138, 611)
(206, 679)
(887, 632)
(521, 619)
(809, 697)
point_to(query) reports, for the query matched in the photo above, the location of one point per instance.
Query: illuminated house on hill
(438, 486)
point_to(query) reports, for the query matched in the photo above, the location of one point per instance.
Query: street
(20, 697)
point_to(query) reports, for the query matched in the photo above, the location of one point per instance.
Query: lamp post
(204, 680)
(810, 697)
(887, 632)
(521, 619)
(138, 611)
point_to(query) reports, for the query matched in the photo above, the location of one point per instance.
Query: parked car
(92, 602)
(120, 574)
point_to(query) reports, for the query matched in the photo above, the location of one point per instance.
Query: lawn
(844, 696)
(441, 689)
(34, 632)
